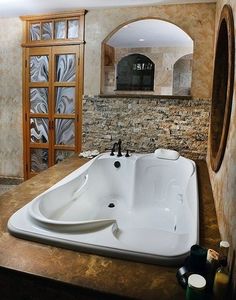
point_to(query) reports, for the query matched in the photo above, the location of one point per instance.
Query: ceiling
(150, 33)
(14, 8)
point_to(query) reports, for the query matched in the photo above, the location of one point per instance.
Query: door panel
(65, 100)
(65, 132)
(52, 123)
(39, 68)
(38, 100)
(38, 160)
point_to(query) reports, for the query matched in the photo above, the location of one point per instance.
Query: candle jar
(196, 287)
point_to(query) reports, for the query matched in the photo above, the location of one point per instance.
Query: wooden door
(52, 106)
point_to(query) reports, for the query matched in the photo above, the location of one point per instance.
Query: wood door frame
(77, 116)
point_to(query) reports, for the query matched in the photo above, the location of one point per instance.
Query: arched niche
(223, 86)
(135, 72)
(161, 41)
(182, 78)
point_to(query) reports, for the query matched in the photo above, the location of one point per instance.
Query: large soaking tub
(141, 207)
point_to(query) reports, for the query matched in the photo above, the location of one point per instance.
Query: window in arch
(135, 72)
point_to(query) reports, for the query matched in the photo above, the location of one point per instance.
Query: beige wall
(197, 20)
(224, 181)
(11, 142)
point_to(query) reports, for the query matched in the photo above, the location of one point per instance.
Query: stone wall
(145, 124)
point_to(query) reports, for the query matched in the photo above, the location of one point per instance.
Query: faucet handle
(128, 152)
(112, 151)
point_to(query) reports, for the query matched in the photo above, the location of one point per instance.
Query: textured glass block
(65, 100)
(39, 100)
(73, 29)
(35, 32)
(64, 132)
(60, 155)
(60, 30)
(38, 160)
(47, 31)
(65, 67)
(39, 68)
(39, 130)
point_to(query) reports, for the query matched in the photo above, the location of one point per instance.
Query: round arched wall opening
(161, 41)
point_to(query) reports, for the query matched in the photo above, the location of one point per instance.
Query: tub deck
(29, 269)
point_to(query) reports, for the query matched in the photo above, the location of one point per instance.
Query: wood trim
(69, 14)
(79, 119)
(65, 84)
(223, 87)
(64, 116)
(28, 20)
(64, 147)
(39, 146)
(24, 115)
(46, 43)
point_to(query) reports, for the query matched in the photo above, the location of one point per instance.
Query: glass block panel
(38, 160)
(60, 155)
(47, 31)
(60, 30)
(39, 130)
(39, 100)
(65, 67)
(73, 29)
(65, 100)
(39, 68)
(64, 132)
(35, 32)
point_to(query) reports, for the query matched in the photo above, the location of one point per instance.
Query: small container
(197, 259)
(196, 287)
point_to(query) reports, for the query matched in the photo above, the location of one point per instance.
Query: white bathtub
(146, 209)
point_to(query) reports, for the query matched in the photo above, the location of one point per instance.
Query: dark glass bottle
(221, 281)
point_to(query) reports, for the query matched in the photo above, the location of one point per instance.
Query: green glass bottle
(221, 281)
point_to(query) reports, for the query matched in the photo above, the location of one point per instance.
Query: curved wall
(224, 181)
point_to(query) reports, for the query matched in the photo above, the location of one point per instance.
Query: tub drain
(111, 205)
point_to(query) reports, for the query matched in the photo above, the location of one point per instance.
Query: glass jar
(196, 287)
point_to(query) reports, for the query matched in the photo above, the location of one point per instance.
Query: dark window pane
(135, 72)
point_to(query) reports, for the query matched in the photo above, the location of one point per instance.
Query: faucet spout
(113, 149)
(119, 148)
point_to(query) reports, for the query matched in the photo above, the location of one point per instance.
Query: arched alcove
(161, 41)
(182, 71)
(135, 72)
